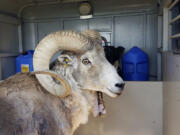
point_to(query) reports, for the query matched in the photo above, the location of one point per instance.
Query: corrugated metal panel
(9, 19)
(9, 45)
(9, 37)
(138, 30)
(129, 31)
(101, 24)
(29, 36)
(8, 66)
(151, 44)
(43, 30)
(78, 25)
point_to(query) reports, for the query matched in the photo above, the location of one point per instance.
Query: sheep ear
(65, 59)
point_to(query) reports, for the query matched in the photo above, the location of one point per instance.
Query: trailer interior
(146, 107)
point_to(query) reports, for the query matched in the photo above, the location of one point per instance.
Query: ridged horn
(65, 89)
(92, 34)
(50, 45)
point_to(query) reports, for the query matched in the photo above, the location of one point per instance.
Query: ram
(56, 100)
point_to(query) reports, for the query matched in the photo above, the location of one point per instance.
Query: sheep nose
(120, 85)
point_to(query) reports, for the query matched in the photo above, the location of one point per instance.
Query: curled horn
(65, 89)
(50, 45)
(93, 35)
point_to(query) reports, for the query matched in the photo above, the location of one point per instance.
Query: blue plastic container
(24, 62)
(135, 65)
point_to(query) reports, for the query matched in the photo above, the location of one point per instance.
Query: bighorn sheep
(56, 101)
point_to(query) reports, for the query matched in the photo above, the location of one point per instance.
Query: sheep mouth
(101, 106)
(115, 93)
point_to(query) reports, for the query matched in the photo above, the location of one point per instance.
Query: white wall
(138, 111)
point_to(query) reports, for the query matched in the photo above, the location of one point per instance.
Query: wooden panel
(174, 19)
(175, 36)
(173, 4)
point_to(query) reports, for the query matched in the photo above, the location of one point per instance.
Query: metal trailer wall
(171, 93)
(9, 45)
(127, 29)
(138, 111)
(141, 103)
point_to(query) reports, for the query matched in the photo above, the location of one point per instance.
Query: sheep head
(84, 54)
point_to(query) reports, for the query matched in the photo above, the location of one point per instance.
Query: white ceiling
(15, 6)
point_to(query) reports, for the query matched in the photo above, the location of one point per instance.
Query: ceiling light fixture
(85, 10)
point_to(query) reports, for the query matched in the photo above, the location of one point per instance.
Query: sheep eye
(86, 61)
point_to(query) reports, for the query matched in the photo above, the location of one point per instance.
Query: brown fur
(27, 109)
